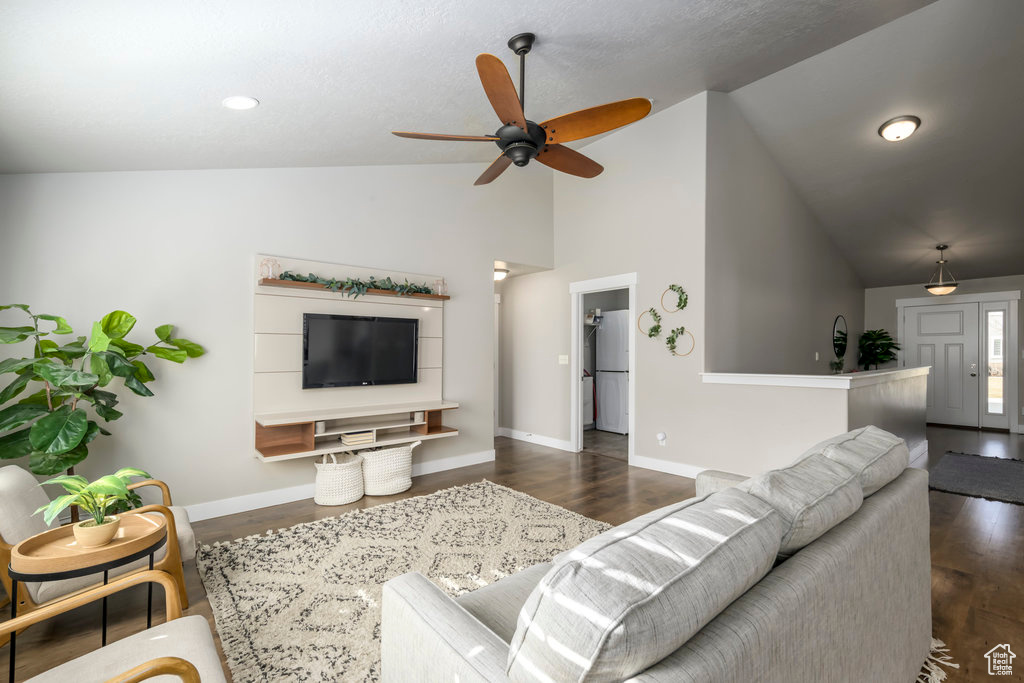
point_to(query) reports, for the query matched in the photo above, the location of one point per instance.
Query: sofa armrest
(427, 636)
(712, 481)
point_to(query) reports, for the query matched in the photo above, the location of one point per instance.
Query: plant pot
(89, 535)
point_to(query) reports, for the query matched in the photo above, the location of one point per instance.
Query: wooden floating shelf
(271, 282)
(286, 436)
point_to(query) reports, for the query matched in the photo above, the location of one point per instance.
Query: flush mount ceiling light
(240, 102)
(500, 274)
(899, 128)
(942, 281)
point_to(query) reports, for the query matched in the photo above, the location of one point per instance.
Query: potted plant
(95, 499)
(49, 423)
(876, 347)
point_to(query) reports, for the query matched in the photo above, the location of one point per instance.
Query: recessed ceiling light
(500, 274)
(240, 102)
(899, 128)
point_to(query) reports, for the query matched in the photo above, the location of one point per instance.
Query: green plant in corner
(96, 499)
(876, 347)
(51, 425)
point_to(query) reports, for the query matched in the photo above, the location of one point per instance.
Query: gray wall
(775, 279)
(178, 247)
(646, 215)
(880, 308)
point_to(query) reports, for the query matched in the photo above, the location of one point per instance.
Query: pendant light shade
(942, 281)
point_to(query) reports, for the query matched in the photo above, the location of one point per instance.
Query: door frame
(1011, 373)
(576, 292)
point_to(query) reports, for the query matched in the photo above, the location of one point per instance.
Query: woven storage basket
(388, 470)
(340, 481)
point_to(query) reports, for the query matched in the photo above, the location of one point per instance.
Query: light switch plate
(563, 359)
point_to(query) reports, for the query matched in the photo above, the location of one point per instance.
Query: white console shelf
(290, 435)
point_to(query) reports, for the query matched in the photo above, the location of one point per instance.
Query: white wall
(775, 279)
(178, 247)
(880, 307)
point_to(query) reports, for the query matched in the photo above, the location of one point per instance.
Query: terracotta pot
(89, 535)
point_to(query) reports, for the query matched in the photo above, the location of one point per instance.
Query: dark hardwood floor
(977, 545)
(609, 444)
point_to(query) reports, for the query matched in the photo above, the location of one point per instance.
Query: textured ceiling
(136, 84)
(959, 66)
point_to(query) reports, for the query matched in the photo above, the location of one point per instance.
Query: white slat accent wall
(277, 339)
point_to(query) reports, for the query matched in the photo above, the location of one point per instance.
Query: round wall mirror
(839, 337)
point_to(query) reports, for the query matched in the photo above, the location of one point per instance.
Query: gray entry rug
(980, 476)
(303, 603)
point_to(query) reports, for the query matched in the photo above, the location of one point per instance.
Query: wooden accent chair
(21, 496)
(181, 646)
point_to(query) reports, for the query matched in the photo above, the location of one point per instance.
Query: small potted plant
(95, 499)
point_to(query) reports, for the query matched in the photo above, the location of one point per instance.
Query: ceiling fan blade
(500, 90)
(442, 136)
(596, 120)
(568, 160)
(494, 170)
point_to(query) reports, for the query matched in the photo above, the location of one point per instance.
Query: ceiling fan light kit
(521, 140)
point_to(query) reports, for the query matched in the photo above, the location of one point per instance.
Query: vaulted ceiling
(129, 84)
(959, 66)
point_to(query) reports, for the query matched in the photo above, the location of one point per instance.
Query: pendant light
(942, 281)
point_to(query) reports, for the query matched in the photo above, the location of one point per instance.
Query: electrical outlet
(817, 357)
(563, 359)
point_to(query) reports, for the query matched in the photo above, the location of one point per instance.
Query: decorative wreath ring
(681, 298)
(654, 330)
(670, 341)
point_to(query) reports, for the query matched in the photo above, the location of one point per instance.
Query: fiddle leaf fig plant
(52, 424)
(96, 498)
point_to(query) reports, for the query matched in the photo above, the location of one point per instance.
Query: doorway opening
(603, 368)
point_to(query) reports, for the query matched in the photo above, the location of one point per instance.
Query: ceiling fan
(521, 139)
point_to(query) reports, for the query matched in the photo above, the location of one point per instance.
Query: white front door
(946, 337)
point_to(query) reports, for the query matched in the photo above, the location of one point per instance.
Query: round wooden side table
(54, 555)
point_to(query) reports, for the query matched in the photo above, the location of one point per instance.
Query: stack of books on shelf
(357, 438)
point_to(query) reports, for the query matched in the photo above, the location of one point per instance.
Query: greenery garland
(655, 329)
(673, 337)
(682, 300)
(353, 287)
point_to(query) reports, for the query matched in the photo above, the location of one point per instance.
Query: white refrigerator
(613, 372)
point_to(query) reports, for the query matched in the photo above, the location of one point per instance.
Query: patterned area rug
(303, 603)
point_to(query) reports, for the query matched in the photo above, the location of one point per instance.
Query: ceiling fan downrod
(521, 44)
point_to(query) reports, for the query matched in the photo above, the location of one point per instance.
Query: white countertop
(847, 380)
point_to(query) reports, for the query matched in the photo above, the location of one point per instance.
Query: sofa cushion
(874, 454)
(812, 495)
(497, 605)
(626, 598)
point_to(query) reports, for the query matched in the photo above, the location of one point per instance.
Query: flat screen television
(350, 350)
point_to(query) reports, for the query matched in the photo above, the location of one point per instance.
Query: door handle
(974, 374)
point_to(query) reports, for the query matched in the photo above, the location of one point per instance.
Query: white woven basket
(388, 470)
(338, 483)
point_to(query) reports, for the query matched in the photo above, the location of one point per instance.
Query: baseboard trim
(678, 468)
(254, 501)
(538, 439)
(920, 451)
(451, 463)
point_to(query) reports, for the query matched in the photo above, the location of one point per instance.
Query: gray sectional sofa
(816, 572)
